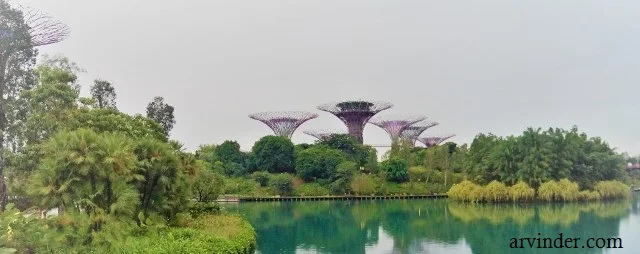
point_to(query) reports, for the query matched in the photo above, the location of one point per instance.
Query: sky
(496, 66)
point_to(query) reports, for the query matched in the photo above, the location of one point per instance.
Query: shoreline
(324, 198)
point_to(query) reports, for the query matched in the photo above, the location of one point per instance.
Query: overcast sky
(474, 66)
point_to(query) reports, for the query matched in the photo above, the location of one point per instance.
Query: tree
(88, 172)
(104, 94)
(349, 145)
(318, 162)
(162, 113)
(112, 120)
(274, 154)
(229, 152)
(208, 186)
(397, 170)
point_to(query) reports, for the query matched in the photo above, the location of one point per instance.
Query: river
(439, 226)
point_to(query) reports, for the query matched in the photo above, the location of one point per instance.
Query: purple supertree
(411, 133)
(432, 141)
(322, 134)
(396, 125)
(355, 114)
(283, 123)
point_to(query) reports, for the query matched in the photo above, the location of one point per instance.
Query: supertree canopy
(322, 134)
(355, 114)
(432, 141)
(411, 133)
(395, 125)
(283, 123)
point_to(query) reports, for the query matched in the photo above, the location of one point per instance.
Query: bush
(311, 189)
(282, 184)
(496, 192)
(418, 174)
(363, 184)
(589, 195)
(569, 191)
(261, 177)
(466, 191)
(521, 191)
(397, 170)
(240, 186)
(563, 190)
(612, 189)
(198, 209)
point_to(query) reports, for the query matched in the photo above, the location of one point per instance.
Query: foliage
(198, 209)
(496, 192)
(311, 189)
(274, 154)
(234, 169)
(589, 195)
(111, 120)
(318, 162)
(162, 113)
(466, 191)
(363, 184)
(341, 179)
(104, 94)
(521, 191)
(612, 189)
(282, 184)
(261, 177)
(229, 152)
(208, 186)
(350, 146)
(397, 170)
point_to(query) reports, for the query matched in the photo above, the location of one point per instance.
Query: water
(435, 226)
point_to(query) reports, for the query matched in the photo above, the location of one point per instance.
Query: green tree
(274, 154)
(111, 120)
(318, 162)
(104, 94)
(396, 169)
(162, 177)
(162, 113)
(349, 145)
(229, 154)
(87, 172)
(208, 186)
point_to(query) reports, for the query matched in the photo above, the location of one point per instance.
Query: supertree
(395, 125)
(411, 133)
(283, 123)
(432, 141)
(355, 114)
(21, 30)
(322, 134)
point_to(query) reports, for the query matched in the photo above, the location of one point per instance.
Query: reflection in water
(434, 226)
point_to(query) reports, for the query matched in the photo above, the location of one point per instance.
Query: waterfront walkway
(320, 198)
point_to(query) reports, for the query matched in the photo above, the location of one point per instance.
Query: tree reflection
(351, 226)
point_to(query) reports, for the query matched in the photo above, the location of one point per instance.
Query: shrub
(466, 191)
(198, 209)
(568, 191)
(521, 191)
(240, 186)
(612, 189)
(548, 191)
(397, 170)
(589, 195)
(418, 174)
(282, 184)
(363, 184)
(311, 189)
(261, 177)
(496, 192)
(274, 154)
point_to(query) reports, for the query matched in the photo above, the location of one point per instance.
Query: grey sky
(474, 66)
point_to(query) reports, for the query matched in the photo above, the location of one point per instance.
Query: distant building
(633, 167)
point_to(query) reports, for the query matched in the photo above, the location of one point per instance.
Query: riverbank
(325, 198)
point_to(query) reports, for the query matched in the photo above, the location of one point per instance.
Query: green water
(435, 226)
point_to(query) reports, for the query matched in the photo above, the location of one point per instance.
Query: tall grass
(612, 189)
(466, 191)
(521, 191)
(496, 192)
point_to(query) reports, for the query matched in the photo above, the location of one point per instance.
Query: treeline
(108, 176)
(339, 165)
